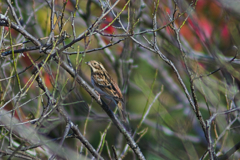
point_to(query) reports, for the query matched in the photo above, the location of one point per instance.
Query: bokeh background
(200, 38)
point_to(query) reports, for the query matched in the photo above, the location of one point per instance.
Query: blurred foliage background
(200, 38)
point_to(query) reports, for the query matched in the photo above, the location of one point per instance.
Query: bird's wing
(104, 82)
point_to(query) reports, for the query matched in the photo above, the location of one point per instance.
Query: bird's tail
(121, 111)
(123, 116)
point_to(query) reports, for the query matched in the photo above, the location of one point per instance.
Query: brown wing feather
(118, 93)
(107, 85)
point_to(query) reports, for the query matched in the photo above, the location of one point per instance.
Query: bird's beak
(87, 63)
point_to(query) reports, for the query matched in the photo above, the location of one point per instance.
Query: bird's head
(95, 66)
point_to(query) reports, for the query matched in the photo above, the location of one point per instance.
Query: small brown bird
(105, 85)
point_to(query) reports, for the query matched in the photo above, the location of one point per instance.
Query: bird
(106, 86)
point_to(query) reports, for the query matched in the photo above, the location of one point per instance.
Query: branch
(4, 22)
(105, 107)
